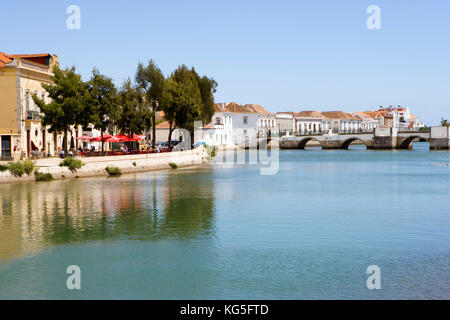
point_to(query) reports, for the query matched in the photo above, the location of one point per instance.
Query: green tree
(150, 80)
(207, 87)
(182, 103)
(133, 115)
(103, 102)
(445, 123)
(179, 108)
(67, 93)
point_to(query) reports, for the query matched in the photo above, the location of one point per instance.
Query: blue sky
(285, 55)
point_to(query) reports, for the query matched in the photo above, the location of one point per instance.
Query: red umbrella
(87, 138)
(99, 138)
(125, 138)
(112, 139)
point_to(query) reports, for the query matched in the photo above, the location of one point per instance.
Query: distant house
(368, 120)
(238, 125)
(309, 122)
(340, 122)
(162, 133)
(285, 122)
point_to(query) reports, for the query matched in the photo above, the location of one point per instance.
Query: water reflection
(134, 207)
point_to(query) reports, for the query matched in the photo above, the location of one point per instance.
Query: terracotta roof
(237, 108)
(372, 114)
(310, 114)
(24, 56)
(163, 125)
(287, 112)
(41, 58)
(4, 59)
(336, 115)
(218, 107)
(234, 107)
(256, 108)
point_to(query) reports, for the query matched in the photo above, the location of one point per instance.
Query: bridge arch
(349, 141)
(303, 142)
(408, 142)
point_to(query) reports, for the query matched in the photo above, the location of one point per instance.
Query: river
(227, 232)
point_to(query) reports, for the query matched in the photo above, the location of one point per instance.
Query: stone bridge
(381, 138)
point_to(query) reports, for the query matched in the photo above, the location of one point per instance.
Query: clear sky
(285, 55)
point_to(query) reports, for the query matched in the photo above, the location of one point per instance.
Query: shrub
(134, 163)
(113, 171)
(173, 165)
(28, 166)
(3, 168)
(211, 151)
(42, 176)
(71, 163)
(16, 169)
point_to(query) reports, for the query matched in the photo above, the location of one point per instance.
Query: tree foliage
(134, 116)
(103, 102)
(150, 80)
(188, 97)
(67, 107)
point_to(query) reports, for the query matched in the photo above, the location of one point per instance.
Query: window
(35, 105)
(217, 120)
(27, 100)
(245, 120)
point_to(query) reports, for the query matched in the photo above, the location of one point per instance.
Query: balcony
(32, 115)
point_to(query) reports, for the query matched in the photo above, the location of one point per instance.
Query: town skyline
(281, 56)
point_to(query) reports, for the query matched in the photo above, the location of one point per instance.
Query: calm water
(308, 232)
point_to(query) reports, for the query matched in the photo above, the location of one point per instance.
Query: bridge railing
(319, 133)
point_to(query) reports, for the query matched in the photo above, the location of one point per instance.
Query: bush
(173, 165)
(211, 151)
(71, 163)
(3, 168)
(16, 169)
(134, 163)
(113, 171)
(42, 176)
(28, 166)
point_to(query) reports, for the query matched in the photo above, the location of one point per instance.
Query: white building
(236, 125)
(286, 123)
(368, 121)
(309, 122)
(340, 122)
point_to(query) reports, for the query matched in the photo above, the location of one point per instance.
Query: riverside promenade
(95, 166)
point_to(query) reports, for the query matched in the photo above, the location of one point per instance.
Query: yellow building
(21, 132)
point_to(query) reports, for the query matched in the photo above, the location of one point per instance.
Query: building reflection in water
(148, 206)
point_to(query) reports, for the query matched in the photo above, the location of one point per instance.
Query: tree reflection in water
(148, 206)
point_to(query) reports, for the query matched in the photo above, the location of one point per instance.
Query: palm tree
(445, 123)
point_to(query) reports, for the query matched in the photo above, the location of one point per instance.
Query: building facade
(21, 131)
(309, 122)
(340, 122)
(285, 122)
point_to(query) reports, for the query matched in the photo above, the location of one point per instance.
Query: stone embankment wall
(95, 166)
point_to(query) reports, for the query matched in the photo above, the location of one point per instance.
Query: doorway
(6, 147)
